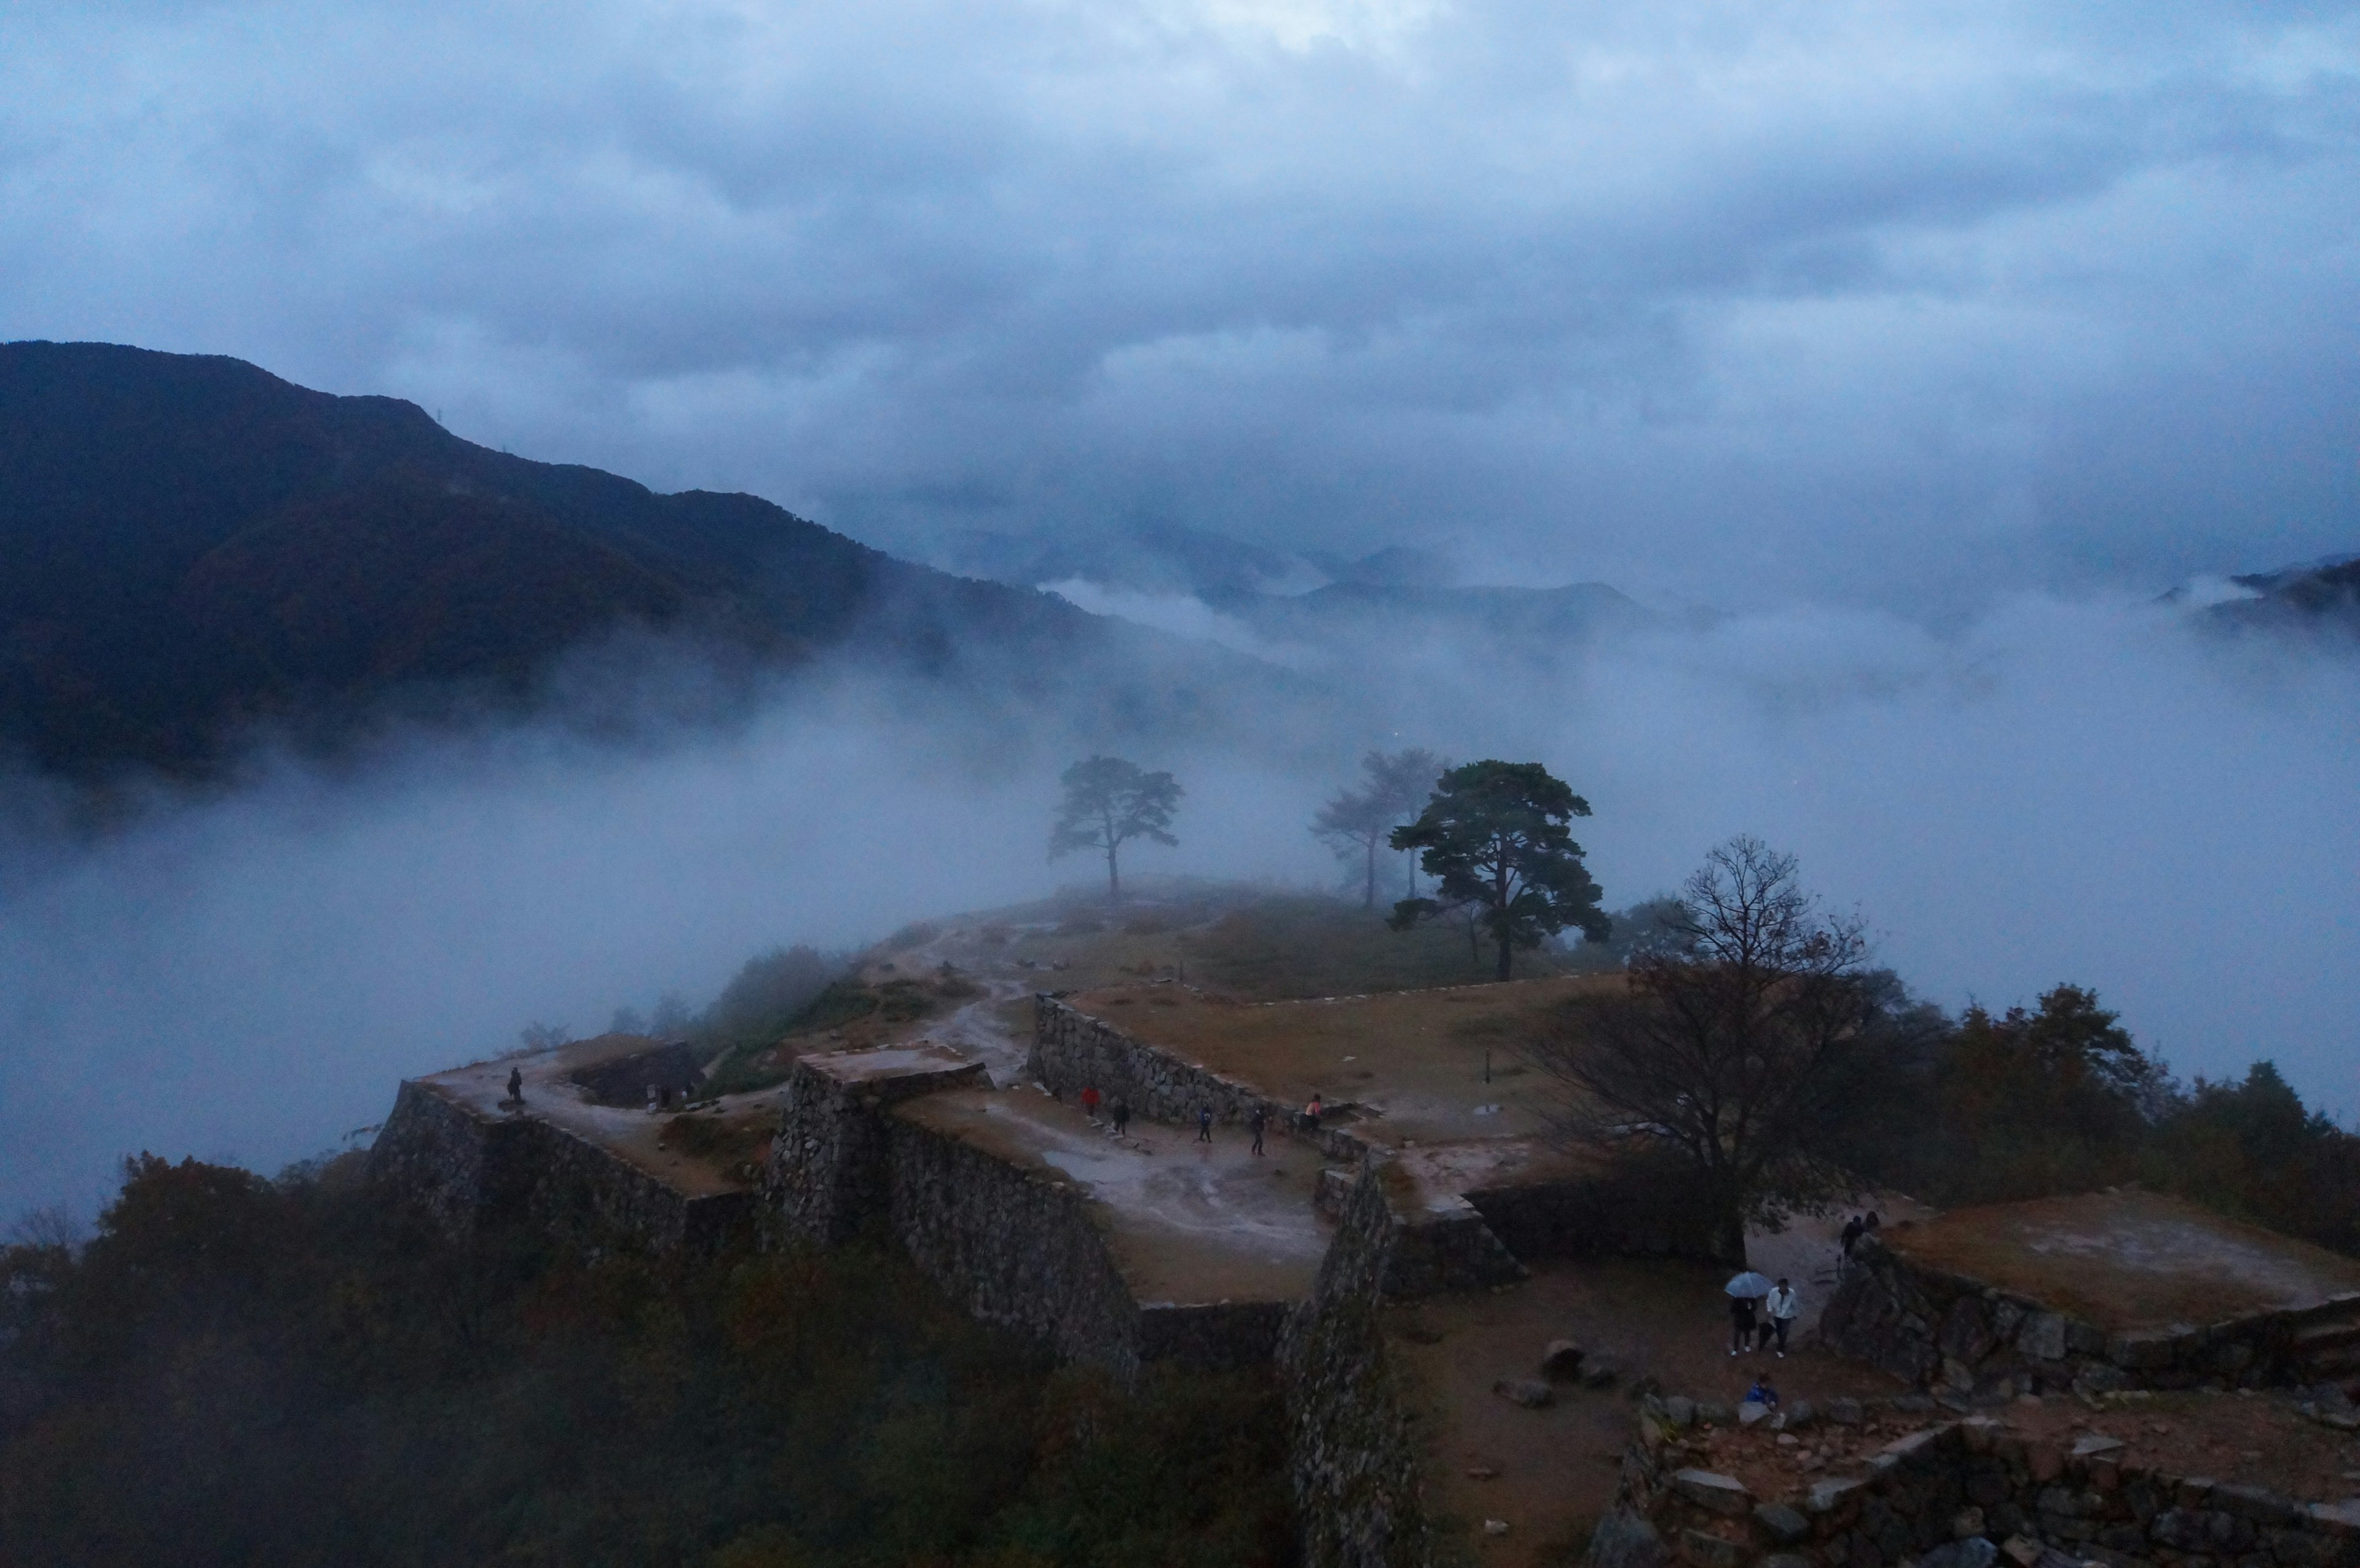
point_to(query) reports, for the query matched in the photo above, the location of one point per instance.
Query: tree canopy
(1108, 803)
(1357, 822)
(1495, 835)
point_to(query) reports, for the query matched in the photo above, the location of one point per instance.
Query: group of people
(1854, 1228)
(1751, 1329)
(1257, 1121)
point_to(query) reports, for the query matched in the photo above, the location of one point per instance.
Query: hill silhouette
(196, 546)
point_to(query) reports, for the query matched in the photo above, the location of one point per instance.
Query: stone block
(1712, 1412)
(1561, 1361)
(1972, 1553)
(2042, 1337)
(1524, 1391)
(1625, 1539)
(1782, 1525)
(1966, 1336)
(1679, 1409)
(1753, 1412)
(2256, 1503)
(1800, 1414)
(1711, 1490)
(1844, 1412)
(1706, 1549)
(1826, 1496)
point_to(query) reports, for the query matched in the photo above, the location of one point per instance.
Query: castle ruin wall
(1939, 1329)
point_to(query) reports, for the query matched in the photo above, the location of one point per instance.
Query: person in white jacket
(1782, 1306)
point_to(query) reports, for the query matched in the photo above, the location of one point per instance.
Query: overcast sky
(1747, 303)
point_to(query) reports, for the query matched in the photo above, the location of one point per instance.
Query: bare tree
(1734, 1040)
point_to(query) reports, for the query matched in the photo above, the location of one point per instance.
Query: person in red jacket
(1090, 1102)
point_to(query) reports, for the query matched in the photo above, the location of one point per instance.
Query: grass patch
(1310, 946)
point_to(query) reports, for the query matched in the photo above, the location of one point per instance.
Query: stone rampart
(473, 1170)
(1949, 1495)
(1937, 1328)
(1013, 1244)
(1352, 1449)
(1072, 1051)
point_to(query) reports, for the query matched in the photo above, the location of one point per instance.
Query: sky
(1905, 306)
(1924, 344)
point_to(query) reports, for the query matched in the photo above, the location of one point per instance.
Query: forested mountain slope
(193, 544)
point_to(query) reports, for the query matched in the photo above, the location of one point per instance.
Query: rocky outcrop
(1947, 1330)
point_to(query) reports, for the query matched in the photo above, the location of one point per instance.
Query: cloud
(2058, 791)
(1895, 306)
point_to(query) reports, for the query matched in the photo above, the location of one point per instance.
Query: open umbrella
(1748, 1284)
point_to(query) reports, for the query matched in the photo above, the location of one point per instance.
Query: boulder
(1600, 1370)
(1706, 1549)
(1495, 1526)
(1712, 1412)
(1753, 1412)
(1679, 1409)
(1561, 1362)
(1524, 1391)
(1975, 1551)
(1782, 1525)
(1966, 1335)
(1711, 1490)
(1625, 1539)
(1800, 1414)
(2042, 1337)
(1844, 1412)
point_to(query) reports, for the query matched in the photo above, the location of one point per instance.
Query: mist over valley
(363, 868)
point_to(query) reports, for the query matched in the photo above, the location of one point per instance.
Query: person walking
(1090, 1102)
(1741, 1324)
(1784, 1306)
(1311, 1115)
(516, 1085)
(1259, 1119)
(1120, 1111)
(1204, 1124)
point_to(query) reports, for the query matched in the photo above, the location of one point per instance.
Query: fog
(2062, 790)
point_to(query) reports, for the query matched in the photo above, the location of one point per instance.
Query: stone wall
(471, 1169)
(828, 1174)
(1013, 1245)
(1948, 1496)
(1352, 1450)
(1072, 1051)
(1939, 1329)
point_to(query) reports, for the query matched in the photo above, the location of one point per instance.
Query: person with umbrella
(1743, 1289)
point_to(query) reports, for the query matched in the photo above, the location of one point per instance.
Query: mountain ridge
(198, 545)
